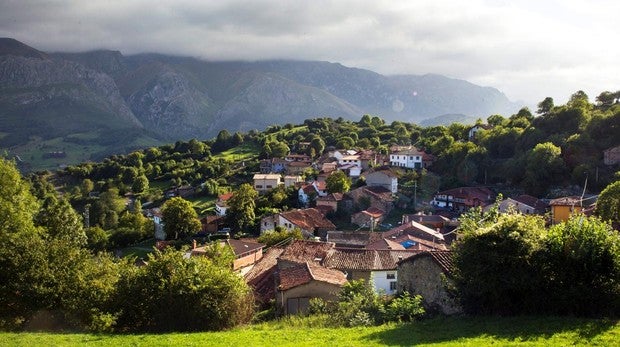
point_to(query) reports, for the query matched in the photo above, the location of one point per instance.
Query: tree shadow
(517, 329)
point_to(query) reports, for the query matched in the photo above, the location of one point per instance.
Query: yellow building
(563, 208)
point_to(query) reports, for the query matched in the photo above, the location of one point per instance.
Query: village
(412, 254)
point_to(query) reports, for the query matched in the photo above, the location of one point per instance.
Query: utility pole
(415, 195)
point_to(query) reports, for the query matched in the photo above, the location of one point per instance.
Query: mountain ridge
(178, 98)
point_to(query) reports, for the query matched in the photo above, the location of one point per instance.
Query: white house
(409, 158)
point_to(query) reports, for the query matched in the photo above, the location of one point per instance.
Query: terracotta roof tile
(308, 219)
(301, 251)
(566, 201)
(365, 259)
(305, 273)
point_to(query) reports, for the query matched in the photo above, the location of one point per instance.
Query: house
(376, 267)
(350, 160)
(410, 158)
(298, 167)
(246, 252)
(292, 180)
(268, 223)
(299, 283)
(329, 167)
(266, 182)
(525, 204)
(378, 197)
(156, 216)
(444, 225)
(410, 235)
(429, 274)
(350, 239)
(221, 205)
(331, 201)
(564, 207)
(302, 251)
(279, 165)
(351, 170)
(611, 156)
(383, 178)
(476, 128)
(261, 277)
(320, 187)
(369, 158)
(305, 193)
(211, 224)
(463, 198)
(310, 221)
(293, 157)
(368, 218)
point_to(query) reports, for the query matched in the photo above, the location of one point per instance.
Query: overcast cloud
(526, 49)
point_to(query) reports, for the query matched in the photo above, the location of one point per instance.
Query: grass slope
(464, 331)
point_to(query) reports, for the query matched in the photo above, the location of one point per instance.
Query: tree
(581, 265)
(87, 186)
(242, 204)
(318, 145)
(338, 182)
(494, 260)
(544, 167)
(608, 204)
(140, 184)
(545, 106)
(174, 293)
(61, 221)
(179, 217)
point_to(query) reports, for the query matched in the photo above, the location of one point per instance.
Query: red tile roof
(374, 212)
(225, 196)
(305, 273)
(308, 219)
(365, 259)
(301, 251)
(566, 201)
(261, 278)
(241, 247)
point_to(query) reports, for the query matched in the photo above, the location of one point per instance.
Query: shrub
(404, 308)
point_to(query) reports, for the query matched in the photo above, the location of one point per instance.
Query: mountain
(166, 98)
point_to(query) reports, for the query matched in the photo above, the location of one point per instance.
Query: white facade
(350, 159)
(384, 281)
(410, 160)
(220, 209)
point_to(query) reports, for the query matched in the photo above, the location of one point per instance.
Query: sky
(527, 49)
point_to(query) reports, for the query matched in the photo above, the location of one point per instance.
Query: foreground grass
(478, 331)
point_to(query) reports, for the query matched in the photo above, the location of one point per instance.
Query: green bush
(404, 308)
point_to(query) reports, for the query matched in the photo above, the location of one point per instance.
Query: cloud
(527, 49)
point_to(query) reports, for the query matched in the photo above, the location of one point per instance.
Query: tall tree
(608, 204)
(338, 182)
(545, 106)
(241, 212)
(179, 217)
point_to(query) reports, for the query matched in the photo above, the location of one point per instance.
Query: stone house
(377, 197)
(246, 252)
(298, 284)
(369, 218)
(429, 274)
(383, 178)
(310, 221)
(331, 201)
(464, 198)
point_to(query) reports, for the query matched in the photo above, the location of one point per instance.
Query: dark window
(392, 285)
(391, 276)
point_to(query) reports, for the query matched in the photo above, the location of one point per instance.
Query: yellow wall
(563, 213)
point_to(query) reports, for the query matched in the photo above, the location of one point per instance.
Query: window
(391, 276)
(269, 186)
(392, 285)
(258, 186)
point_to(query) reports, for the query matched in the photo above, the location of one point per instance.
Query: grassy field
(479, 331)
